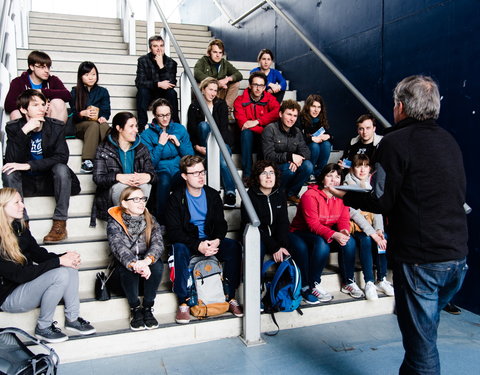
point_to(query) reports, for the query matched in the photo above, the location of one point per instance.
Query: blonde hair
(9, 247)
(148, 217)
(207, 81)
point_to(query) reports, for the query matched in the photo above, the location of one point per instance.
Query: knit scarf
(135, 224)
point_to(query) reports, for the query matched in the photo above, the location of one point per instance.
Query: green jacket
(205, 67)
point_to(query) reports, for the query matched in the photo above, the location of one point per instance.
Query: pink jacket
(319, 214)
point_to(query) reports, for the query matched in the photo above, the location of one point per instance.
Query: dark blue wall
(374, 43)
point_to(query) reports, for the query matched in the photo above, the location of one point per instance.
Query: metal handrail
(315, 50)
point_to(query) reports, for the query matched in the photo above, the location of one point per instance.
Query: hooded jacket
(52, 88)
(166, 158)
(266, 110)
(128, 249)
(319, 214)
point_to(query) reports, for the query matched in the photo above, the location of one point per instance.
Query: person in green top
(214, 65)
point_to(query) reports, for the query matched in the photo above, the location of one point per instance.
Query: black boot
(137, 323)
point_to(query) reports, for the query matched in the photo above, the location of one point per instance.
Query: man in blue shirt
(196, 226)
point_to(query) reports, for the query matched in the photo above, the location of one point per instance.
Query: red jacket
(265, 110)
(319, 214)
(52, 88)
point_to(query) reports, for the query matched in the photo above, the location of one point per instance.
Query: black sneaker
(50, 334)
(87, 166)
(149, 319)
(137, 323)
(229, 200)
(452, 309)
(81, 326)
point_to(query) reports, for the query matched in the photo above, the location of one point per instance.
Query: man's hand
(34, 124)
(336, 192)
(209, 247)
(165, 85)
(297, 159)
(292, 166)
(159, 60)
(12, 167)
(250, 124)
(223, 82)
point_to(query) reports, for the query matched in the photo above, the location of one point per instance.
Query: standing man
(366, 142)
(156, 78)
(38, 77)
(254, 110)
(214, 65)
(36, 159)
(196, 226)
(420, 185)
(284, 144)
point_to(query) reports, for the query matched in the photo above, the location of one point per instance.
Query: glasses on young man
(260, 86)
(137, 199)
(44, 67)
(198, 173)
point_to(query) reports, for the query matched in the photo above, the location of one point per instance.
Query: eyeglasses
(44, 67)
(267, 173)
(138, 199)
(167, 115)
(258, 85)
(198, 173)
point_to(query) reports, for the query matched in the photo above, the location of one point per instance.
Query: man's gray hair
(420, 97)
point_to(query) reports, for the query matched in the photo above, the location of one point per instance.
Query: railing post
(132, 34)
(213, 162)
(185, 97)
(251, 318)
(150, 21)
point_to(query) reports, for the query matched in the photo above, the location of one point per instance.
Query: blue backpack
(283, 292)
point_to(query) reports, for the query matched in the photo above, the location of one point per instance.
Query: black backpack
(17, 359)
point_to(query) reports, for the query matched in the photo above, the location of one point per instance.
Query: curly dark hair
(258, 168)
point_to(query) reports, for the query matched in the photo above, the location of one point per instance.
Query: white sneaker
(322, 295)
(371, 291)
(353, 290)
(385, 287)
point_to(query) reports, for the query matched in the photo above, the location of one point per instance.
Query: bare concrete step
(142, 25)
(48, 48)
(77, 227)
(41, 207)
(48, 25)
(85, 20)
(62, 37)
(94, 254)
(67, 42)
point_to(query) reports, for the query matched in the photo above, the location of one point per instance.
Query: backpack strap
(281, 269)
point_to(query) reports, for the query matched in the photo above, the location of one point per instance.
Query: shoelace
(83, 322)
(54, 328)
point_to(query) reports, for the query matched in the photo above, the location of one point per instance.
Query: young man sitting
(36, 159)
(38, 77)
(196, 226)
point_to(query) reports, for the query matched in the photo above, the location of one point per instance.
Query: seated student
(284, 144)
(32, 277)
(270, 204)
(167, 142)
(90, 106)
(36, 159)
(156, 78)
(322, 221)
(365, 143)
(276, 84)
(199, 129)
(38, 77)
(254, 110)
(137, 245)
(368, 232)
(312, 118)
(214, 65)
(196, 226)
(121, 160)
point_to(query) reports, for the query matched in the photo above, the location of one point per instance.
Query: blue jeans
(292, 182)
(310, 252)
(203, 129)
(230, 252)
(368, 252)
(165, 183)
(130, 281)
(319, 155)
(246, 144)
(421, 291)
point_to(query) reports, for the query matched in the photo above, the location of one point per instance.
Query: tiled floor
(365, 346)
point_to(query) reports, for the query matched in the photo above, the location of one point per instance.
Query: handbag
(102, 292)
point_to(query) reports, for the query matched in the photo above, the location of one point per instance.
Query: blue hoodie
(166, 158)
(126, 157)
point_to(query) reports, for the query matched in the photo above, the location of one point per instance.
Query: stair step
(41, 17)
(37, 28)
(39, 207)
(58, 34)
(94, 254)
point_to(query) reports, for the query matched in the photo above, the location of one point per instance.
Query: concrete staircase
(70, 40)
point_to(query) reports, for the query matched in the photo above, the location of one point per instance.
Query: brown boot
(58, 232)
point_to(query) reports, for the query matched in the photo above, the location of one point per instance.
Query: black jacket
(13, 274)
(420, 184)
(149, 74)
(279, 145)
(273, 215)
(106, 166)
(180, 229)
(220, 115)
(54, 146)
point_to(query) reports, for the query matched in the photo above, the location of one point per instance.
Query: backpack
(206, 287)
(16, 358)
(283, 292)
